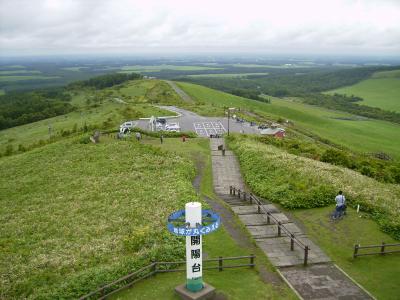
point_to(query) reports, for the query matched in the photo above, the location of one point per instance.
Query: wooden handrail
(100, 293)
(382, 251)
(260, 208)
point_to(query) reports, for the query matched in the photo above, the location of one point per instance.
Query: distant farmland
(381, 90)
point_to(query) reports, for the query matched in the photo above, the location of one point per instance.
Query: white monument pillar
(194, 263)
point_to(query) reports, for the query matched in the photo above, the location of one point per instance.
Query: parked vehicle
(173, 127)
(128, 124)
(161, 121)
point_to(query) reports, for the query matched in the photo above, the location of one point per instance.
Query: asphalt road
(203, 126)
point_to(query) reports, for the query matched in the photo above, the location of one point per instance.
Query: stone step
(269, 231)
(261, 219)
(253, 209)
(280, 255)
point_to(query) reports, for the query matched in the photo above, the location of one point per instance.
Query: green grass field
(226, 75)
(366, 135)
(157, 68)
(14, 78)
(358, 135)
(84, 214)
(74, 69)
(19, 72)
(12, 67)
(2, 92)
(285, 66)
(382, 90)
(378, 274)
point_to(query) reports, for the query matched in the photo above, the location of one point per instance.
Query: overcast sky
(174, 26)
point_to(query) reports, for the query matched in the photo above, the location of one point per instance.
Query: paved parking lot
(204, 126)
(208, 128)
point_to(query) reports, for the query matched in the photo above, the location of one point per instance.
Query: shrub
(298, 182)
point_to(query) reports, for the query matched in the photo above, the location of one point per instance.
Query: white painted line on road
(208, 128)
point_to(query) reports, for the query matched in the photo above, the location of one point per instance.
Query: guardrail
(162, 267)
(383, 249)
(281, 228)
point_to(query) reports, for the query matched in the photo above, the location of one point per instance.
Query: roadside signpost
(193, 223)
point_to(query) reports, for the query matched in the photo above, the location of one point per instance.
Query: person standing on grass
(340, 205)
(161, 139)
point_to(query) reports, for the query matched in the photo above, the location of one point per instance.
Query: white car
(128, 124)
(173, 127)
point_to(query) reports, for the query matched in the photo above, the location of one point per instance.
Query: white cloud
(130, 26)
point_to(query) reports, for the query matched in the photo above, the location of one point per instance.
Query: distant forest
(306, 84)
(18, 108)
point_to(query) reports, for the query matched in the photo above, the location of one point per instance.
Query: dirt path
(179, 91)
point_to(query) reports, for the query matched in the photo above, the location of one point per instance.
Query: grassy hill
(381, 90)
(83, 214)
(95, 109)
(358, 134)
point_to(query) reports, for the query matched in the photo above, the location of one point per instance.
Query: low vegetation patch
(298, 182)
(75, 216)
(379, 166)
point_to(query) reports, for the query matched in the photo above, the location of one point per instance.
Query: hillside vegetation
(82, 215)
(93, 109)
(359, 134)
(298, 182)
(382, 90)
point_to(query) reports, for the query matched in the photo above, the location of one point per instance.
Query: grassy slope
(362, 136)
(382, 90)
(378, 274)
(82, 215)
(110, 109)
(233, 283)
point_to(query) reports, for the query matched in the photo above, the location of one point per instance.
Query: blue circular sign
(207, 215)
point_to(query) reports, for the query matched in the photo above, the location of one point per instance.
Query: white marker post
(194, 262)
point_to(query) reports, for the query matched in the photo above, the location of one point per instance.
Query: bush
(298, 182)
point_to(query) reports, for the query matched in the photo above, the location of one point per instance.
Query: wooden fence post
(230, 190)
(258, 208)
(355, 250)
(252, 260)
(251, 198)
(305, 255)
(383, 248)
(220, 263)
(239, 191)
(234, 191)
(268, 218)
(155, 268)
(244, 196)
(292, 242)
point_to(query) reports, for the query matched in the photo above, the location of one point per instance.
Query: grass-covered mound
(298, 182)
(76, 216)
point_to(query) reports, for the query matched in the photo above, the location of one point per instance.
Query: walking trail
(320, 279)
(179, 91)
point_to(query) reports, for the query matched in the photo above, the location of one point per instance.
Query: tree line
(108, 80)
(18, 108)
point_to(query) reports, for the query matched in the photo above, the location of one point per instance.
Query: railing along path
(281, 228)
(162, 267)
(382, 247)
